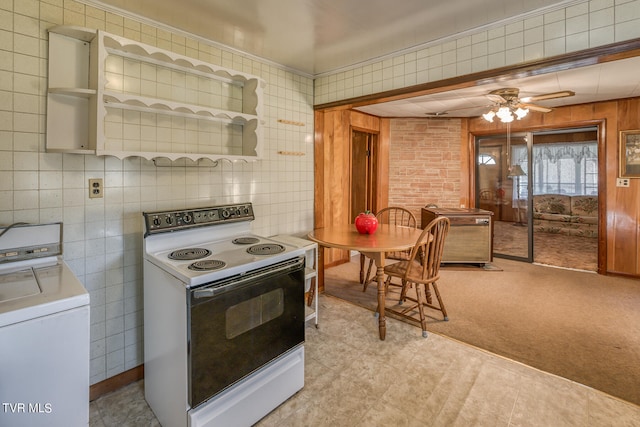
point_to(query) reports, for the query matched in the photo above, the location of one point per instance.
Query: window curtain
(560, 168)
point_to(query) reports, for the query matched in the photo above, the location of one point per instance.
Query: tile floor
(354, 379)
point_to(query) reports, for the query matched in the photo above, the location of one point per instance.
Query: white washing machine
(44, 331)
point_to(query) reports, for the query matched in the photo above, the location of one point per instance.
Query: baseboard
(116, 382)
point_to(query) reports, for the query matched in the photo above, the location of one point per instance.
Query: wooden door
(363, 173)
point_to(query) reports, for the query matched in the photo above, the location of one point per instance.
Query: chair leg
(427, 295)
(405, 288)
(367, 277)
(387, 281)
(444, 310)
(423, 320)
(361, 268)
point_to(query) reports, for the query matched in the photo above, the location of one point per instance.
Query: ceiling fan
(510, 96)
(508, 99)
(507, 106)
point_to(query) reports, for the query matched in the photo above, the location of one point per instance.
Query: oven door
(239, 324)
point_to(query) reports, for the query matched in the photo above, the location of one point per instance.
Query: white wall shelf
(109, 95)
(152, 105)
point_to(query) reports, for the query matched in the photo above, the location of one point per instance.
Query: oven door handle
(203, 293)
(210, 291)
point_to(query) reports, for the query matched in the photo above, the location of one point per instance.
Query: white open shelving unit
(310, 274)
(109, 95)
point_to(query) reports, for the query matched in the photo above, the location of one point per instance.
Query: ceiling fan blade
(553, 95)
(453, 110)
(534, 107)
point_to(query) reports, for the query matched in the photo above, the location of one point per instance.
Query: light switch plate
(95, 188)
(622, 182)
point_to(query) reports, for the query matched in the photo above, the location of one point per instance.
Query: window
(486, 159)
(561, 168)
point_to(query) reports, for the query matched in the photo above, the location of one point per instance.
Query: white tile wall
(103, 237)
(580, 25)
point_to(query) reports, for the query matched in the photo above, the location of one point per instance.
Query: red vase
(366, 223)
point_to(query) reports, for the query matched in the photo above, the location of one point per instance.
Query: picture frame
(629, 154)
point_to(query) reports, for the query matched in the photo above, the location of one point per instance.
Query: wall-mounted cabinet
(113, 96)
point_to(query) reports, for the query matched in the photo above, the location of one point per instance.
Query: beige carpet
(579, 325)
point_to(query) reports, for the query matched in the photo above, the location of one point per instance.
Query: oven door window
(238, 331)
(253, 313)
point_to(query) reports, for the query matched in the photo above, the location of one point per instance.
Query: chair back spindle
(392, 215)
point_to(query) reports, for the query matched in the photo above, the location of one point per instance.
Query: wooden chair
(422, 269)
(391, 215)
(487, 195)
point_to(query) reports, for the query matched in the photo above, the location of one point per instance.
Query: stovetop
(225, 259)
(213, 243)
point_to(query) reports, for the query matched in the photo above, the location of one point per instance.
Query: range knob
(168, 220)
(156, 221)
(226, 213)
(186, 218)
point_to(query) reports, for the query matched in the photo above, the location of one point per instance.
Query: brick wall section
(424, 163)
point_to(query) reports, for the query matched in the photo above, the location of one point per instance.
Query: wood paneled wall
(623, 203)
(333, 164)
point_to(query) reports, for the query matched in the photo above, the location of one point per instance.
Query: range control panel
(165, 221)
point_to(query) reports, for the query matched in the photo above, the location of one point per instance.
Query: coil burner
(188, 254)
(207, 265)
(265, 249)
(246, 240)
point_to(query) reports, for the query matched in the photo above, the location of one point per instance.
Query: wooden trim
(467, 166)
(597, 55)
(602, 200)
(116, 382)
(384, 141)
(318, 160)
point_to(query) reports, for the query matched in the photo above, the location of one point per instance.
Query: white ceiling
(320, 36)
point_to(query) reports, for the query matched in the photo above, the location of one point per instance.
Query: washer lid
(60, 291)
(18, 284)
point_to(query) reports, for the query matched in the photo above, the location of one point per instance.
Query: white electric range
(224, 317)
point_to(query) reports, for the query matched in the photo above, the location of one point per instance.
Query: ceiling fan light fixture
(504, 114)
(521, 112)
(489, 116)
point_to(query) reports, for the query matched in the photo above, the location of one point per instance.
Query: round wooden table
(387, 238)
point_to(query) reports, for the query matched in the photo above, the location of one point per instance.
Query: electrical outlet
(95, 188)
(622, 182)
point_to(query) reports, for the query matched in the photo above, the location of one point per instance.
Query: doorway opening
(542, 188)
